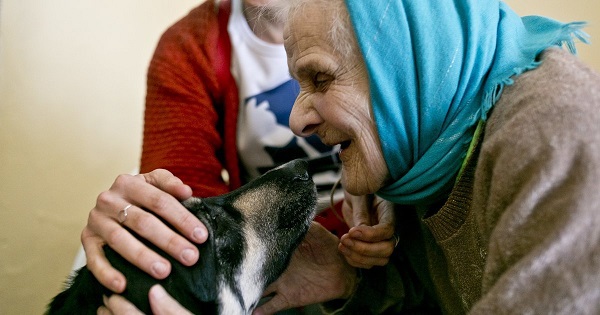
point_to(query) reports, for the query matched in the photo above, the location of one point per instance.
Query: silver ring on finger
(122, 215)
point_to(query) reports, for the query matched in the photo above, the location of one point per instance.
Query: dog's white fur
(249, 274)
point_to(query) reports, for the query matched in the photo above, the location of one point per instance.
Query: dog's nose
(303, 177)
(300, 169)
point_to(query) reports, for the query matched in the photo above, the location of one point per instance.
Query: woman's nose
(304, 119)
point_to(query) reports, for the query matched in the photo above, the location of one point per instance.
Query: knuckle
(142, 223)
(104, 199)
(85, 234)
(172, 243)
(159, 202)
(115, 236)
(360, 249)
(93, 264)
(105, 274)
(93, 216)
(160, 172)
(156, 175)
(138, 255)
(92, 224)
(143, 256)
(187, 219)
(122, 180)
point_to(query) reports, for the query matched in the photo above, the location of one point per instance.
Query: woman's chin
(356, 185)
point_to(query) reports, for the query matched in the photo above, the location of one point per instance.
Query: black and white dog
(253, 232)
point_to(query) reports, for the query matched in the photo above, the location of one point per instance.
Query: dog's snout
(300, 170)
(300, 165)
(303, 177)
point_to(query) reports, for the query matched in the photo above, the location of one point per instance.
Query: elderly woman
(482, 131)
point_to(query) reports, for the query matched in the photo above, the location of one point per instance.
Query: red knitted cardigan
(190, 118)
(190, 121)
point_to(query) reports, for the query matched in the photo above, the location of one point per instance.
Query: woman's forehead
(306, 32)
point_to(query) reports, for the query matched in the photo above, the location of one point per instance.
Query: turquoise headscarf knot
(436, 68)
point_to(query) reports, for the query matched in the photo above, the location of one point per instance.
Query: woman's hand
(317, 273)
(150, 195)
(160, 303)
(371, 239)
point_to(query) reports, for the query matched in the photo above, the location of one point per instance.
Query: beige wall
(72, 77)
(567, 11)
(71, 103)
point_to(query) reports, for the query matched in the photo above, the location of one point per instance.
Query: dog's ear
(203, 278)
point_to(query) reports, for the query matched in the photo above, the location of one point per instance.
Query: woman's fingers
(99, 265)
(356, 209)
(377, 249)
(149, 227)
(162, 303)
(160, 192)
(377, 254)
(117, 305)
(135, 202)
(370, 240)
(134, 251)
(367, 246)
(372, 234)
(166, 181)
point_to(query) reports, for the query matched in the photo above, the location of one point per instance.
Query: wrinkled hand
(161, 303)
(317, 273)
(159, 192)
(370, 240)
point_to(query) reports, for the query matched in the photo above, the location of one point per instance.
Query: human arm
(180, 134)
(189, 119)
(371, 239)
(541, 208)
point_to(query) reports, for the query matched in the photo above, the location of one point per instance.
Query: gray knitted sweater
(520, 232)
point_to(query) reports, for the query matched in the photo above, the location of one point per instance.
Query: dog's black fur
(263, 221)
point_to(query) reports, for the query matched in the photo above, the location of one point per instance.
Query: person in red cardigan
(203, 125)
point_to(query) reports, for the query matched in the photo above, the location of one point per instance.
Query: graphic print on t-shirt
(266, 139)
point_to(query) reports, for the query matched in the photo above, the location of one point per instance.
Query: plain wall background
(72, 85)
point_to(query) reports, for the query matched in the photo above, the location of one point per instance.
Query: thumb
(162, 303)
(361, 213)
(272, 306)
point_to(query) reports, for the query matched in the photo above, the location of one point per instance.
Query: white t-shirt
(267, 94)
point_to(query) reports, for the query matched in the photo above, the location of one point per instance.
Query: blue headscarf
(436, 67)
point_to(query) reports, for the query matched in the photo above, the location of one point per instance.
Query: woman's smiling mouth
(344, 145)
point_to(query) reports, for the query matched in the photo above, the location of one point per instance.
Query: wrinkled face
(334, 99)
(260, 2)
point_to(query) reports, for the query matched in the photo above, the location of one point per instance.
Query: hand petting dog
(157, 191)
(253, 233)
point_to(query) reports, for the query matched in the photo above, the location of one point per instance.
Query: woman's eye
(321, 81)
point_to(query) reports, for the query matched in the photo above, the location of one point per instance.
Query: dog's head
(253, 232)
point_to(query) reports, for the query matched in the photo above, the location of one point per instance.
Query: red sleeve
(181, 122)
